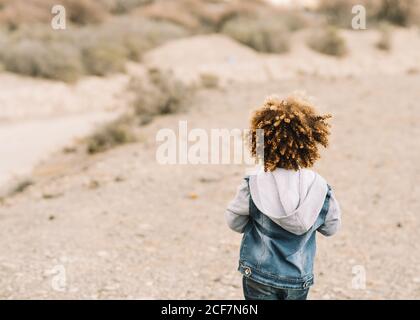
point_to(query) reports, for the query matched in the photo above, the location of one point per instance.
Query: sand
(120, 225)
(26, 143)
(38, 117)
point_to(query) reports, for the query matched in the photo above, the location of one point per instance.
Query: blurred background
(86, 210)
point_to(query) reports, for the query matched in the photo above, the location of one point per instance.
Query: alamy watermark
(58, 21)
(358, 281)
(359, 20)
(214, 146)
(58, 278)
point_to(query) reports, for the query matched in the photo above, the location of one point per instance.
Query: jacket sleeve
(333, 218)
(237, 212)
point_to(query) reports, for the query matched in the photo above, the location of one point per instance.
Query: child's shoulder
(310, 173)
(305, 174)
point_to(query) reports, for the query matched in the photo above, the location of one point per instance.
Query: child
(281, 206)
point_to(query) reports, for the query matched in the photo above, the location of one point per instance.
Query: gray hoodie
(292, 199)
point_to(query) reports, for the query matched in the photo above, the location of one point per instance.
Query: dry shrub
(328, 41)
(262, 34)
(399, 12)
(209, 80)
(107, 47)
(123, 6)
(84, 11)
(39, 52)
(16, 187)
(338, 12)
(155, 32)
(113, 134)
(20, 186)
(199, 16)
(213, 15)
(14, 13)
(104, 58)
(292, 19)
(97, 49)
(140, 33)
(135, 35)
(160, 94)
(170, 11)
(48, 60)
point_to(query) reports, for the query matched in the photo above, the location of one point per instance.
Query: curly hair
(292, 132)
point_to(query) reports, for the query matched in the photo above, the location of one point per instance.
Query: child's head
(292, 132)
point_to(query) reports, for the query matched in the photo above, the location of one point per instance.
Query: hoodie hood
(292, 199)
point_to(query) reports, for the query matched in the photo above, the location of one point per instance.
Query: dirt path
(38, 117)
(119, 225)
(24, 144)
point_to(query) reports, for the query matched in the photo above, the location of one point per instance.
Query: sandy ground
(120, 225)
(27, 143)
(23, 98)
(38, 117)
(217, 55)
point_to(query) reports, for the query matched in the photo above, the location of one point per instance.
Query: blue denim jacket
(273, 256)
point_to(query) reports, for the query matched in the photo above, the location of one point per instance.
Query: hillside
(119, 225)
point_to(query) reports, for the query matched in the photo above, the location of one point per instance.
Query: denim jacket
(272, 255)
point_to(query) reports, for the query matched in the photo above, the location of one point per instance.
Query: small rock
(49, 196)
(192, 195)
(119, 179)
(69, 149)
(102, 254)
(93, 184)
(209, 178)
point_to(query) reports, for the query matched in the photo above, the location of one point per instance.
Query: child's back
(279, 211)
